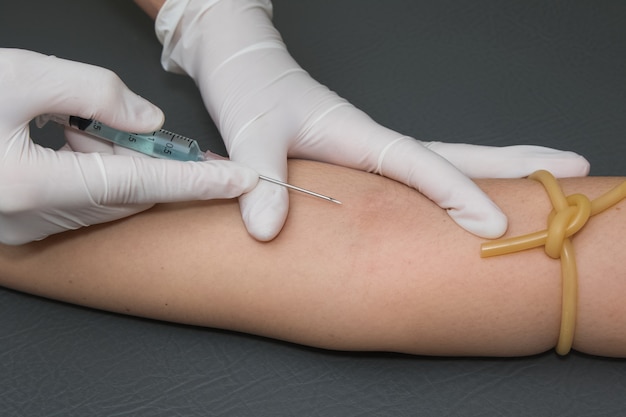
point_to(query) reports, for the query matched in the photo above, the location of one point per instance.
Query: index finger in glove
(407, 161)
(83, 181)
(117, 179)
(517, 161)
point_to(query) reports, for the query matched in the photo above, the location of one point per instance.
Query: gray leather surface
(486, 72)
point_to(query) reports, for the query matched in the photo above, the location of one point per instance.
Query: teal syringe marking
(159, 144)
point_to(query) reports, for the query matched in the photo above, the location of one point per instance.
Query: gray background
(484, 72)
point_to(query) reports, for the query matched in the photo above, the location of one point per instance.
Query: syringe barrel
(160, 144)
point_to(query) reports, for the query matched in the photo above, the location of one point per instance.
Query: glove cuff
(178, 29)
(166, 26)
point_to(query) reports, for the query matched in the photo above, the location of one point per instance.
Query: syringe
(159, 144)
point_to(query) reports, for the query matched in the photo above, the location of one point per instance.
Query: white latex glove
(43, 191)
(267, 108)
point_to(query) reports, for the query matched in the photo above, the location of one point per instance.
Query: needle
(302, 190)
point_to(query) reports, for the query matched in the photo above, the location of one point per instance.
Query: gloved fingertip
(264, 225)
(149, 116)
(488, 224)
(249, 180)
(264, 211)
(216, 179)
(583, 166)
(263, 234)
(567, 164)
(132, 113)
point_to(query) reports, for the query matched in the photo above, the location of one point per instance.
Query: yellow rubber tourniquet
(570, 214)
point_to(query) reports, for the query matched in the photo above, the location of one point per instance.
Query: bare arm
(151, 7)
(388, 270)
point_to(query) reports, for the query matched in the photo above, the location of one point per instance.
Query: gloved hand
(45, 191)
(268, 108)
